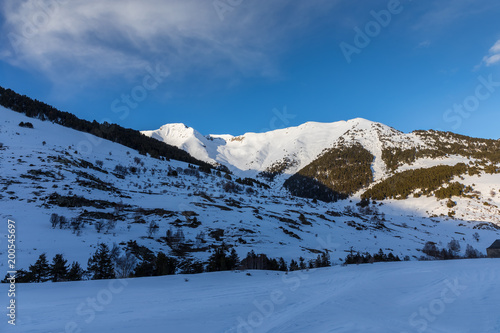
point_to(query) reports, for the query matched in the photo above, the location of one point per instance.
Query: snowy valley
(111, 194)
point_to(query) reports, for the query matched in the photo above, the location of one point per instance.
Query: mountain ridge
(302, 143)
(323, 160)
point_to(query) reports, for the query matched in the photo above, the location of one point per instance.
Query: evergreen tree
(75, 272)
(325, 260)
(294, 266)
(22, 276)
(100, 264)
(114, 253)
(380, 256)
(59, 268)
(233, 261)
(282, 264)
(302, 263)
(218, 260)
(40, 271)
(190, 266)
(165, 265)
(471, 252)
(317, 262)
(146, 268)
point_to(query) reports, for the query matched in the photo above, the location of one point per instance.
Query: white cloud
(490, 60)
(440, 15)
(495, 48)
(494, 56)
(424, 44)
(95, 38)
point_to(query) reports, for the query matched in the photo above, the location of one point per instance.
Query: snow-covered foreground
(451, 296)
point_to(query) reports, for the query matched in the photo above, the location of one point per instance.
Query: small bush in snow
(26, 124)
(54, 220)
(121, 170)
(99, 225)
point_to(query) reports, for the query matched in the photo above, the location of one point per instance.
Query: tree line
(138, 261)
(125, 136)
(402, 184)
(443, 144)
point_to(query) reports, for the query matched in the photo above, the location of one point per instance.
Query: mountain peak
(260, 151)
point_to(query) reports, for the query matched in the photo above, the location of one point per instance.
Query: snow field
(453, 296)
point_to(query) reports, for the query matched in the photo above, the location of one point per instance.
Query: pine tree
(75, 272)
(165, 265)
(302, 263)
(471, 252)
(59, 268)
(325, 260)
(233, 261)
(317, 262)
(218, 260)
(40, 271)
(282, 264)
(100, 264)
(114, 253)
(294, 266)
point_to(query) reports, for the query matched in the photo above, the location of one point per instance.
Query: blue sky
(248, 66)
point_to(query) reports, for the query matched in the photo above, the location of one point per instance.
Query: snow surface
(454, 296)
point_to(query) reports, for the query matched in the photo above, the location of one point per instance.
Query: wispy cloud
(446, 13)
(494, 55)
(424, 44)
(94, 38)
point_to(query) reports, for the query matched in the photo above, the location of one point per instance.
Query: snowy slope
(455, 296)
(260, 220)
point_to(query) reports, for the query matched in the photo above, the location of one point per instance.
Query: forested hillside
(342, 170)
(125, 136)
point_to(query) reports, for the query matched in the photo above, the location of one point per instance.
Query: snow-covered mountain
(393, 152)
(301, 145)
(252, 153)
(42, 175)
